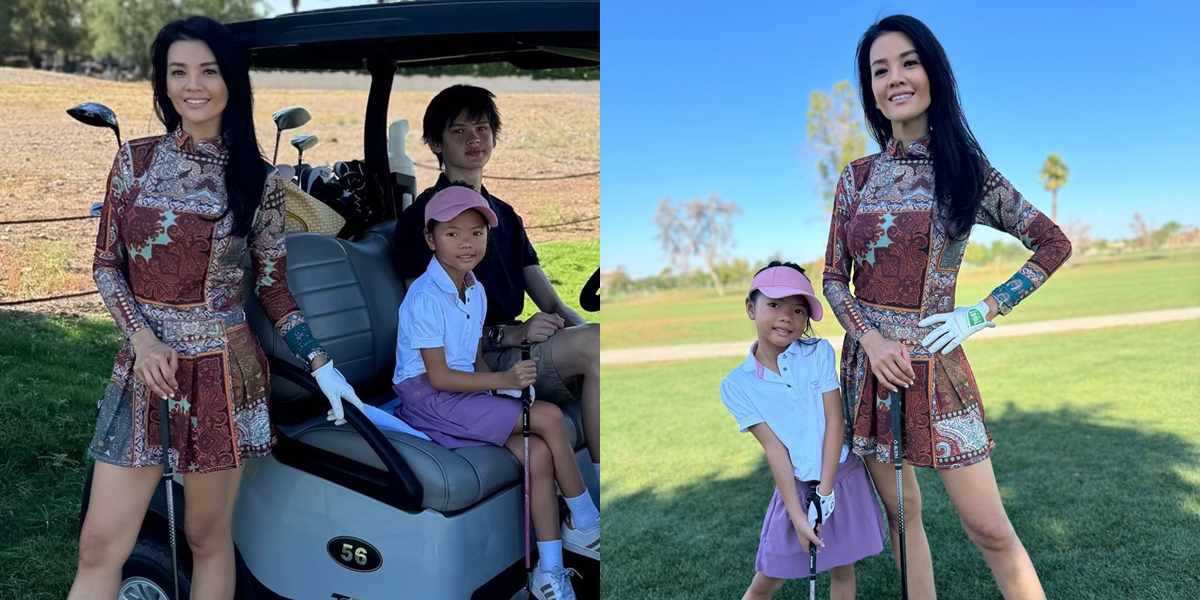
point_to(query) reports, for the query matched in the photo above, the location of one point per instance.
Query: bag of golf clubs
(346, 188)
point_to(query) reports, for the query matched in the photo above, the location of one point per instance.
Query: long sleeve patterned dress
(167, 260)
(886, 236)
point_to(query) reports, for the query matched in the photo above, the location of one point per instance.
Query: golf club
(897, 406)
(526, 402)
(96, 115)
(168, 475)
(287, 118)
(302, 143)
(812, 549)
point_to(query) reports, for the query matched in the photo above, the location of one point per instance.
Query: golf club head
(96, 115)
(290, 118)
(304, 142)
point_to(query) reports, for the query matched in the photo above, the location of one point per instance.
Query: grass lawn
(1086, 289)
(52, 372)
(1097, 459)
(569, 265)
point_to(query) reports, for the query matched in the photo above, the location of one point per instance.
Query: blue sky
(702, 98)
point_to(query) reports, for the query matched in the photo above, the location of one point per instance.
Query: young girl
(786, 394)
(444, 385)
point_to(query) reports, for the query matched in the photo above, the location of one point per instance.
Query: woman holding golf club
(786, 394)
(181, 211)
(900, 225)
(445, 387)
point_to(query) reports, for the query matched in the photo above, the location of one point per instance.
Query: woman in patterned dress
(181, 211)
(900, 224)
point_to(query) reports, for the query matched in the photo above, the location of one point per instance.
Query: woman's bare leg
(975, 496)
(117, 505)
(917, 556)
(208, 524)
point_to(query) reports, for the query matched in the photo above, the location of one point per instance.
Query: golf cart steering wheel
(589, 296)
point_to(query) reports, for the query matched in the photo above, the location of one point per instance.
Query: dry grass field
(53, 166)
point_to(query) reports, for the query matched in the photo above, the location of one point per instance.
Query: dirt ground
(53, 166)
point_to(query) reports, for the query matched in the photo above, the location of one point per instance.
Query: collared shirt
(502, 269)
(433, 316)
(789, 403)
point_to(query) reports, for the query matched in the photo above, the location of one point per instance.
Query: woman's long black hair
(957, 157)
(246, 174)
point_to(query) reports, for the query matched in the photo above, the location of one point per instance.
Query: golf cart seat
(350, 297)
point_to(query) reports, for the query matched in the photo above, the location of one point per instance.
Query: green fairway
(1085, 289)
(1097, 459)
(52, 372)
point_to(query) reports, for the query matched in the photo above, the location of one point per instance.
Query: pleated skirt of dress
(218, 418)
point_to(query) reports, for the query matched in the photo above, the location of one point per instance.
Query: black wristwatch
(495, 336)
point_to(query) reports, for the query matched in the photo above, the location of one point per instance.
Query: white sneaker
(584, 542)
(555, 585)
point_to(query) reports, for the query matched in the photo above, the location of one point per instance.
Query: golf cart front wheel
(147, 574)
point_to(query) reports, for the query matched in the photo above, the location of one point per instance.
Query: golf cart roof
(529, 34)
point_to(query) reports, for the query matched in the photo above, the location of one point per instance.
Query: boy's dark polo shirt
(502, 269)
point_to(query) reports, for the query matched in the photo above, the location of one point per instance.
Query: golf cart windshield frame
(529, 34)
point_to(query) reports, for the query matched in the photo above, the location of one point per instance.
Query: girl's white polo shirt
(789, 403)
(432, 316)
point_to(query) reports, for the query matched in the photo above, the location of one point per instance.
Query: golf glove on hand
(826, 505)
(336, 389)
(956, 327)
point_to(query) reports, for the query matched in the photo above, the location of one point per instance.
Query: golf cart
(356, 511)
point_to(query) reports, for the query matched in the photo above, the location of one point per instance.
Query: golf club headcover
(956, 327)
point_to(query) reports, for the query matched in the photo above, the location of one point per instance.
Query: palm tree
(1054, 175)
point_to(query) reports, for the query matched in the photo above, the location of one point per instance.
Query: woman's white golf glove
(956, 327)
(336, 389)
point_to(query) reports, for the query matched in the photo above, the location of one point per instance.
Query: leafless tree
(699, 228)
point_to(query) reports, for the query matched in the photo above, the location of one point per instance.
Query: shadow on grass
(1105, 512)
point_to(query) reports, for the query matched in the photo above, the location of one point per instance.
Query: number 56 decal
(354, 554)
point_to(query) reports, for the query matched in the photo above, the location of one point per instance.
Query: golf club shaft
(897, 407)
(526, 401)
(812, 548)
(275, 157)
(168, 475)
(812, 572)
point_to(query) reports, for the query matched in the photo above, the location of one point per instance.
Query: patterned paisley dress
(886, 236)
(166, 259)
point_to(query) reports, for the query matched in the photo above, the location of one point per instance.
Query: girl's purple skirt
(854, 531)
(457, 419)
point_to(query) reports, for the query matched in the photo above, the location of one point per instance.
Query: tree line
(115, 35)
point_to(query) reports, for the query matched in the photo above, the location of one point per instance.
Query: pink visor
(782, 282)
(452, 201)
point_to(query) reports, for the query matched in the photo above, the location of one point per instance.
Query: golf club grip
(164, 434)
(525, 355)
